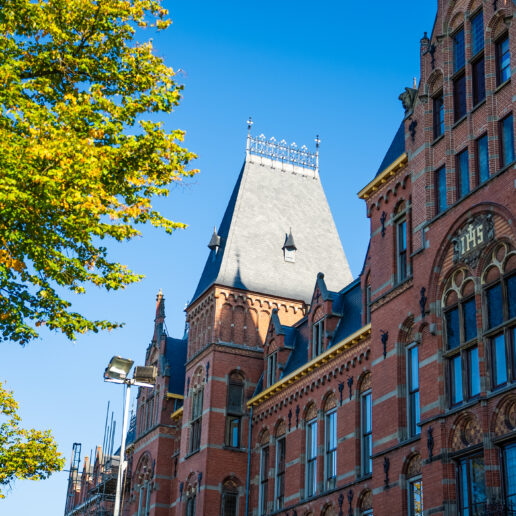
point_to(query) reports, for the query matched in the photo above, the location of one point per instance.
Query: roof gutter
(383, 177)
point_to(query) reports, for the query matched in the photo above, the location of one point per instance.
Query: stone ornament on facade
(311, 412)
(414, 466)
(506, 418)
(467, 433)
(471, 239)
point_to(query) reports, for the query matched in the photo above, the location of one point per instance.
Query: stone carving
(408, 99)
(311, 413)
(331, 402)
(473, 236)
(414, 467)
(282, 429)
(366, 383)
(506, 418)
(468, 433)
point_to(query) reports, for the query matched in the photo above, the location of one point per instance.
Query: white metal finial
(249, 125)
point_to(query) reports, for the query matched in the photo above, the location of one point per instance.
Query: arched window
(499, 282)
(330, 441)
(279, 484)
(461, 336)
(196, 410)
(230, 497)
(264, 473)
(143, 484)
(190, 502)
(401, 229)
(234, 410)
(366, 425)
(311, 451)
(415, 487)
(413, 404)
(366, 503)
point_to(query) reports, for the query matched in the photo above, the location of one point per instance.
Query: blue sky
(299, 68)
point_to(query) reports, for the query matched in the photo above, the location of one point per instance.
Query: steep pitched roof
(267, 204)
(349, 304)
(396, 149)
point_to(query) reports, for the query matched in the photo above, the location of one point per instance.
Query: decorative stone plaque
(472, 238)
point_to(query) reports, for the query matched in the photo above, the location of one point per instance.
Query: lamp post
(144, 376)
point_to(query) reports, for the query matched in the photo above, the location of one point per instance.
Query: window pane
(458, 51)
(464, 487)
(499, 361)
(512, 336)
(474, 373)
(478, 486)
(507, 140)
(456, 380)
(503, 60)
(511, 296)
(463, 173)
(441, 189)
(416, 498)
(459, 96)
(510, 476)
(414, 368)
(494, 305)
(483, 159)
(477, 33)
(469, 313)
(452, 328)
(438, 116)
(479, 81)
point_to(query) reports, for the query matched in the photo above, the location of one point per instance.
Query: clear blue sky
(299, 68)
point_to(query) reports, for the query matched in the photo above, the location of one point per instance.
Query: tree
(79, 162)
(24, 454)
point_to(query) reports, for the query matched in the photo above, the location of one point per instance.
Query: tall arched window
(330, 442)
(413, 404)
(229, 497)
(499, 282)
(197, 395)
(279, 484)
(143, 484)
(234, 409)
(311, 451)
(366, 425)
(264, 474)
(461, 336)
(415, 487)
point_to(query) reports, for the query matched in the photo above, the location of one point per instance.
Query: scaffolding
(99, 480)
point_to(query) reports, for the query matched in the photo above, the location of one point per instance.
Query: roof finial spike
(317, 143)
(415, 83)
(249, 126)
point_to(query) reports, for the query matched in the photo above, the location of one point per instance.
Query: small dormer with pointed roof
(289, 248)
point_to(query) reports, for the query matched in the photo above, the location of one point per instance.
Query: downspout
(248, 481)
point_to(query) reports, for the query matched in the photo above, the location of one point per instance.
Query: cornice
(175, 396)
(322, 359)
(383, 177)
(177, 414)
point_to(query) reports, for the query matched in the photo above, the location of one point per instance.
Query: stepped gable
(278, 199)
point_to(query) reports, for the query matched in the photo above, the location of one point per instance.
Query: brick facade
(439, 241)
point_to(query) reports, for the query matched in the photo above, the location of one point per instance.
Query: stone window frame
(465, 350)
(507, 328)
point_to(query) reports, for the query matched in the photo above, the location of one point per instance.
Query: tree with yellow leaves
(24, 454)
(79, 163)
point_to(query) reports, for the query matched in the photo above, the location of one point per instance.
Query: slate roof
(176, 359)
(266, 204)
(349, 303)
(396, 149)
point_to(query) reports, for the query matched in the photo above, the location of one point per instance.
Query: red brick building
(313, 394)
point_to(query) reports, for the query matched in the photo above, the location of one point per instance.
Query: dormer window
(317, 334)
(271, 369)
(215, 241)
(289, 249)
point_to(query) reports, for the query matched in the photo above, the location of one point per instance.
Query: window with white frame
(311, 457)
(317, 338)
(366, 431)
(264, 479)
(331, 449)
(271, 368)
(280, 473)
(413, 404)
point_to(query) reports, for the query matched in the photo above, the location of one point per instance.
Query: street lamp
(143, 376)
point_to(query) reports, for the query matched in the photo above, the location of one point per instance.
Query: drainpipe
(248, 465)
